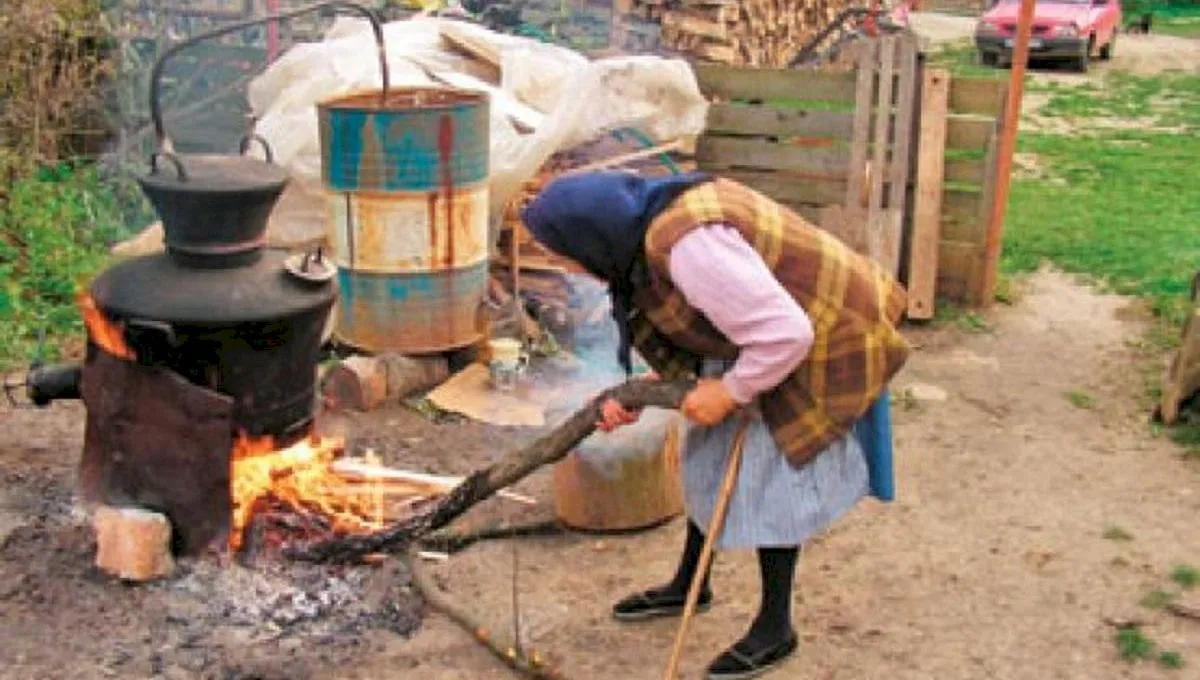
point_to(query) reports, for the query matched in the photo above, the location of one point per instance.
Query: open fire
(311, 480)
(302, 478)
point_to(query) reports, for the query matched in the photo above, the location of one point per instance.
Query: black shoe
(742, 661)
(655, 603)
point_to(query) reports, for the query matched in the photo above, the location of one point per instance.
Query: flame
(301, 478)
(105, 334)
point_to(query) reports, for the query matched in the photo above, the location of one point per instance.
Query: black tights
(777, 568)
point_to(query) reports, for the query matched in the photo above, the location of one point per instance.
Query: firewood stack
(765, 33)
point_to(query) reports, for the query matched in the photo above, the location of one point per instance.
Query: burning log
(482, 484)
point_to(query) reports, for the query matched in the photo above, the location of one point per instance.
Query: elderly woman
(776, 319)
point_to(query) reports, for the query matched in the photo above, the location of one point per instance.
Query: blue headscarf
(599, 219)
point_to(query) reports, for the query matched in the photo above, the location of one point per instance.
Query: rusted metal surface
(416, 313)
(422, 139)
(408, 216)
(392, 233)
(153, 440)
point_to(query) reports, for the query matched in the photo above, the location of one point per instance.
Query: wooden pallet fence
(821, 143)
(833, 146)
(975, 112)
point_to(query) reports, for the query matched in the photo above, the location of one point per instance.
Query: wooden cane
(715, 525)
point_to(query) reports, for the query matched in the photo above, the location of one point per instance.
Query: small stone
(133, 544)
(926, 392)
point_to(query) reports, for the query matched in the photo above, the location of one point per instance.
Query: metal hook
(160, 133)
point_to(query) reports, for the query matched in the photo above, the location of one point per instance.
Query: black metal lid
(213, 206)
(215, 173)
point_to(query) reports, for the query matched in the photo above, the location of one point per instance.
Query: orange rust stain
(433, 227)
(445, 158)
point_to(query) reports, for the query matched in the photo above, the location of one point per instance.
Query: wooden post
(923, 253)
(1008, 141)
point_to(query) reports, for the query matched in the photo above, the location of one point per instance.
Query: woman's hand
(614, 415)
(708, 403)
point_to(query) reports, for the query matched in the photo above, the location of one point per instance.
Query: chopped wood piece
(357, 382)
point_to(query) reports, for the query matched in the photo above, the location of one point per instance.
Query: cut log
(133, 544)
(358, 383)
(406, 376)
(484, 483)
(624, 485)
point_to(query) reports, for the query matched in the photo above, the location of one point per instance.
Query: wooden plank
(970, 132)
(927, 208)
(762, 84)
(877, 221)
(791, 188)
(983, 96)
(725, 153)
(855, 190)
(472, 46)
(958, 267)
(966, 171)
(980, 287)
(741, 119)
(812, 213)
(906, 81)
(961, 219)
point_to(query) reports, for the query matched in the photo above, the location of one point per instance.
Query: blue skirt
(775, 504)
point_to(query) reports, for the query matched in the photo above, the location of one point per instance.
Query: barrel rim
(367, 100)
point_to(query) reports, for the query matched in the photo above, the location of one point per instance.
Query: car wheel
(1106, 52)
(988, 58)
(1084, 60)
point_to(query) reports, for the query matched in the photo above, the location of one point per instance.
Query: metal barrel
(407, 218)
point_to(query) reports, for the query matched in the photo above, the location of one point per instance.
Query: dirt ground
(992, 562)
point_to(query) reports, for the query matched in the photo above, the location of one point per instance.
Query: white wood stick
(353, 469)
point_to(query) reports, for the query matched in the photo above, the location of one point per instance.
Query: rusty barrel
(407, 220)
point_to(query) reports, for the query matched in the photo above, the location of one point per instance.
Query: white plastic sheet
(581, 99)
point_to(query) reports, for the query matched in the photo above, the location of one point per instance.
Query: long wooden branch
(482, 484)
(527, 662)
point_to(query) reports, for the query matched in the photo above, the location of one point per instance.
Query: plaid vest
(853, 303)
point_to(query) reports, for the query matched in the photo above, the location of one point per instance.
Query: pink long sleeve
(723, 277)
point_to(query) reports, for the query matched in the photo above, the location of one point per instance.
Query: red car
(1071, 30)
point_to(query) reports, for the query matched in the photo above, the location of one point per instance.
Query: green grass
(1133, 645)
(1181, 21)
(1157, 599)
(1123, 209)
(1080, 399)
(1185, 576)
(1170, 659)
(962, 59)
(1116, 533)
(55, 229)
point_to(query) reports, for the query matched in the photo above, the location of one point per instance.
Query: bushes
(55, 230)
(52, 64)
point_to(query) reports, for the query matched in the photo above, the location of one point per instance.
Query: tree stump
(624, 480)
